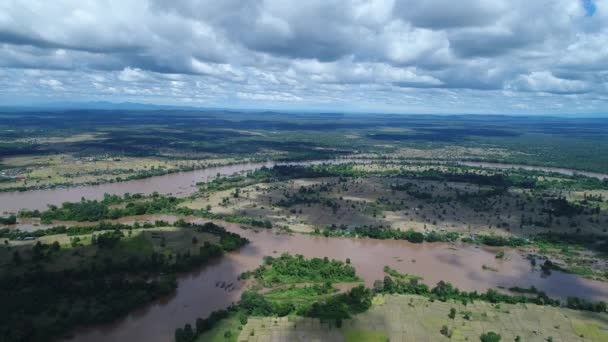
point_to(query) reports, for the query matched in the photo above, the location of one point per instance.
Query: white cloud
(55, 84)
(545, 81)
(131, 75)
(316, 50)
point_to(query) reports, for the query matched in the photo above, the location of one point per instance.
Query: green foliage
(500, 241)
(10, 220)
(288, 269)
(112, 276)
(342, 306)
(228, 241)
(490, 337)
(76, 230)
(452, 313)
(384, 233)
(87, 210)
(403, 276)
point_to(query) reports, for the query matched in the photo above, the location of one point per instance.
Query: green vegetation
(490, 337)
(172, 142)
(49, 289)
(365, 336)
(319, 301)
(310, 293)
(87, 210)
(384, 233)
(444, 291)
(288, 269)
(402, 276)
(416, 184)
(12, 219)
(416, 318)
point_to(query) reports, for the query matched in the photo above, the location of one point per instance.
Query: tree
(490, 337)
(452, 314)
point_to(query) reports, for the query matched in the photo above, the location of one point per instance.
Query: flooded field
(566, 172)
(460, 264)
(198, 294)
(184, 183)
(179, 184)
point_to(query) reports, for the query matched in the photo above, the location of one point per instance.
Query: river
(179, 184)
(460, 264)
(197, 295)
(182, 184)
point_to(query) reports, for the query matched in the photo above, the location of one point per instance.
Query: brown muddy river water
(197, 294)
(182, 184)
(460, 264)
(179, 184)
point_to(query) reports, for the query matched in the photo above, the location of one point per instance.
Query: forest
(50, 289)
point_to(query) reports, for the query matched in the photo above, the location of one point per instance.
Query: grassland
(415, 318)
(411, 184)
(62, 148)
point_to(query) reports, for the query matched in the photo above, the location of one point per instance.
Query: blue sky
(411, 56)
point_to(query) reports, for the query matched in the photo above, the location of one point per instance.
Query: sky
(410, 56)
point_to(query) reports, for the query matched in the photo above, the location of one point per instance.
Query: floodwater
(460, 264)
(182, 184)
(179, 184)
(197, 294)
(567, 172)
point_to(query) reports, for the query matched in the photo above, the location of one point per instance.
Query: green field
(74, 147)
(414, 318)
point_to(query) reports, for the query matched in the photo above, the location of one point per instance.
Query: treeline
(277, 173)
(38, 306)
(190, 334)
(228, 240)
(112, 279)
(497, 240)
(10, 220)
(228, 218)
(93, 210)
(444, 291)
(13, 234)
(590, 241)
(527, 179)
(384, 233)
(332, 309)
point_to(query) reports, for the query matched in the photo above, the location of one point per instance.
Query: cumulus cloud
(57, 85)
(131, 74)
(381, 53)
(545, 81)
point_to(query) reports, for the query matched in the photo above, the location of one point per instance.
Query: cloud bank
(469, 56)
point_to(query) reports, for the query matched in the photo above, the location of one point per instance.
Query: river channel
(461, 264)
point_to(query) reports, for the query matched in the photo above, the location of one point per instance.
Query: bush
(490, 337)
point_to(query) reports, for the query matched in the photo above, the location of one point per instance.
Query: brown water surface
(179, 184)
(182, 184)
(460, 264)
